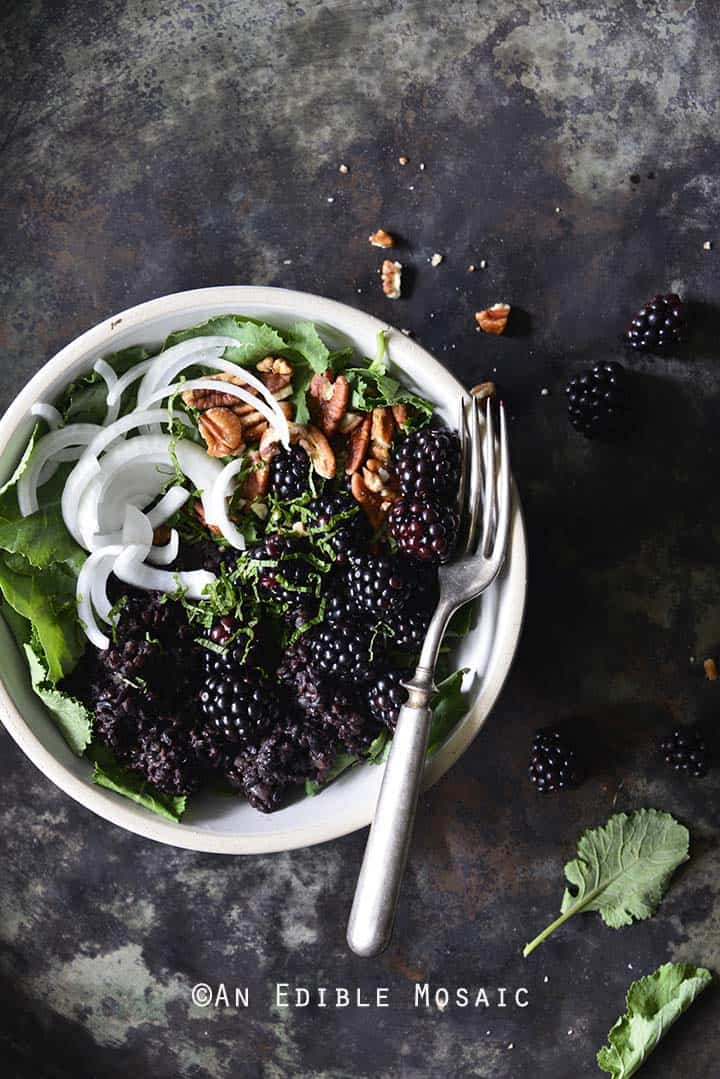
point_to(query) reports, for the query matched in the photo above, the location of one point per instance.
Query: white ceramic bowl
(215, 823)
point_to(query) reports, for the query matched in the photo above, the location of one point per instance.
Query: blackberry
(350, 534)
(342, 650)
(408, 630)
(290, 473)
(553, 763)
(165, 756)
(378, 585)
(600, 401)
(386, 696)
(240, 702)
(422, 529)
(286, 580)
(684, 750)
(659, 325)
(427, 464)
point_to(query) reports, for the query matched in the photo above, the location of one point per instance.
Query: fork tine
(474, 494)
(505, 497)
(490, 490)
(464, 458)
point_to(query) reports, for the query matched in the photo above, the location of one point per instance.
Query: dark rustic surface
(149, 147)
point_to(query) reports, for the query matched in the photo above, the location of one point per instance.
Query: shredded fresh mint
(653, 1003)
(622, 870)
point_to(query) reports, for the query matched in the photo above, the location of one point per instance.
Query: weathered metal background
(148, 147)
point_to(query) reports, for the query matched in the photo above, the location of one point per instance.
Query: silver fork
(486, 487)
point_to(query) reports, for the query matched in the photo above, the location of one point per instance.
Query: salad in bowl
(219, 558)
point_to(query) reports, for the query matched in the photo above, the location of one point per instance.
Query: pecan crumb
(483, 390)
(391, 277)
(436, 259)
(343, 169)
(381, 238)
(404, 160)
(711, 671)
(493, 319)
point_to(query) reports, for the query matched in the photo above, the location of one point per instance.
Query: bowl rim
(135, 818)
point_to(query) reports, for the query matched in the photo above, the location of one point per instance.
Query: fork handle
(376, 895)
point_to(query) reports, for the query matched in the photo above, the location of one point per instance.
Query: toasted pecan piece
(328, 401)
(400, 414)
(391, 279)
(381, 238)
(370, 502)
(204, 399)
(483, 390)
(276, 373)
(223, 432)
(358, 445)
(382, 432)
(199, 511)
(256, 482)
(493, 319)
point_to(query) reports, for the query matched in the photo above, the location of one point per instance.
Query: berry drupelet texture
(427, 464)
(341, 650)
(290, 473)
(346, 526)
(684, 751)
(378, 585)
(239, 701)
(553, 762)
(423, 529)
(387, 695)
(659, 325)
(600, 401)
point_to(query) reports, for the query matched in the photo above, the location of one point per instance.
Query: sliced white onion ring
(75, 434)
(136, 528)
(172, 501)
(218, 506)
(106, 372)
(136, 372)
(51, 415)
(275, 416)
(196, 351)
(91, 592)
(166, 553)
(130, 568)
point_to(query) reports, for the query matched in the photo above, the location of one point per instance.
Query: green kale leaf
(85, 400)
(654, 1003)
(255, 340)
(109, 774)
(622, 870)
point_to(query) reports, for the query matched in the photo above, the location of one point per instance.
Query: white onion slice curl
(130, 568)
(218, 505)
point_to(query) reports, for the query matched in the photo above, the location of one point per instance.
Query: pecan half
(276, 373)
(223, 432)
(391, 278)
(358, 444)
(256, 483)
(483, 390)
(312, 440)
(328, 401)
(493, 319)
(371, 503)
(380, 481)
(382, 432)
(400, 415)
(204, 399)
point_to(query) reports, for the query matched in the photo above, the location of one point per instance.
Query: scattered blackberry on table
(422, 529)
(347, 535)
(378, 585)
(386, 696)
(427, 464)
(342, 650)
(290, 473)
(164, 754)
(600, 401)
(240, 702)
(659, 325)
(684, 750)
(553, 763)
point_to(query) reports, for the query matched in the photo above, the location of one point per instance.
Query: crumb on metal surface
(493, 319)
(381, 238)
(391, 277)
(472, 268)
(711, 671)
(707, 246)
(343, 169)
(483, 264)
(436, 259)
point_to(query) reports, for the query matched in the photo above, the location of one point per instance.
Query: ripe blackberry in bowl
(290, 473)
(348, 535)
(659, 325)
(387, 695)
(427, 464)
(378, 585)
(684, 751)
(423, 529)
(408, 629)
(553, 763)
(601, 401)
(285, 578)
(240, 702)
(342, 650)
